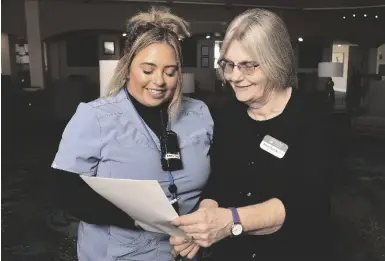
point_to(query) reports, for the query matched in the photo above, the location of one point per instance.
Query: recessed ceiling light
(344, 17)
(365, 15)
(208, 36)
(124, 34)
(354, 15)
(300, 39)
(376, 16)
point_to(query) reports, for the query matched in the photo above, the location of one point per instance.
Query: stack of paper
(143, 200)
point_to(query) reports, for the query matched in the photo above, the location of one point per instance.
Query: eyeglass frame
(241, 69)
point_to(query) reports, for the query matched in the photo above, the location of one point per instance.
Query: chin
(153, 102)
(243, 97)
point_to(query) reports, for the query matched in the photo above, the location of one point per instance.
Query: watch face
(237, 229)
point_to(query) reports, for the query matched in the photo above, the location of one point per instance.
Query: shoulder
(98, 114)
(191, 107)
(229, 112)
(109, 105)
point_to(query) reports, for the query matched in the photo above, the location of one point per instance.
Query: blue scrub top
(106, 138)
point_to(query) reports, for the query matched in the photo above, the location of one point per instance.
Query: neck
(274, 106)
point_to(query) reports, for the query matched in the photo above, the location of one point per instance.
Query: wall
(381, 50)
(58, 64)
(340, 83)
(63, 16)
(204, 76)
(57, 55)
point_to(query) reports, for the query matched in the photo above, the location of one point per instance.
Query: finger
(193, 252)
(203, 243)
(187, 250)
(180, 248)
(188, 219)
(174, 253)
(199, 236)
(178, 240)
(196, 228)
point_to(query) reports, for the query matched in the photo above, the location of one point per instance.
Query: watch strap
(236, 218)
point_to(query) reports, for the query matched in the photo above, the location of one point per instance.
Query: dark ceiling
(289, 4)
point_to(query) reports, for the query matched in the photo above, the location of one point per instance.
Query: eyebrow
(245, 61)
(153, 64)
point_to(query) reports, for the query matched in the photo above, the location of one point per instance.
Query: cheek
(171, 83)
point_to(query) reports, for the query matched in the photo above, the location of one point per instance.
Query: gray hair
(155, 26)
(264, 36)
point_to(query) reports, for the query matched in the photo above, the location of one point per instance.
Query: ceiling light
(376, 16)
(339, 45)
(354, 15)
(208, 36)
(344, 17)
(365, 15)
(124, 34)
(300, 39)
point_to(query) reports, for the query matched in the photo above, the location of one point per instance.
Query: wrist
(208, 203)
(229, 222)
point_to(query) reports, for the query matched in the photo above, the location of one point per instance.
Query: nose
(159, 79)
(236, 75)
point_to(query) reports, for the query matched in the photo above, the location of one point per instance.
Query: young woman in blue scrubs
(119, 136)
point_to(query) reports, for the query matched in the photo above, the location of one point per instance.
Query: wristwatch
(236, 228)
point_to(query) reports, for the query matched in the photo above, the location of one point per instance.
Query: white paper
(143, 200)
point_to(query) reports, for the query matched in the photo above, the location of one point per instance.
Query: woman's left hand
(206, 226)
(183, 247)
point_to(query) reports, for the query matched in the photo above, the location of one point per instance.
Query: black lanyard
(171, 184)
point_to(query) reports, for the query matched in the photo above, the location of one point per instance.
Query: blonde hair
(264, 36)
(146, 28)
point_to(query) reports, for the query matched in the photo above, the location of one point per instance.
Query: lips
(156, 93)
(243, 86)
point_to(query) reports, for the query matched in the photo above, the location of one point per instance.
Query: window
(217, 48)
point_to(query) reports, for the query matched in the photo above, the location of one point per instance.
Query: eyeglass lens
(244, 67)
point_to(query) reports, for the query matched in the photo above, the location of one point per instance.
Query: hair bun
(160, 18)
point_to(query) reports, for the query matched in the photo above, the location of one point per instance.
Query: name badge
(274, 146)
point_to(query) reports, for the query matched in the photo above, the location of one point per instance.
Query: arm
(81, 201)
(264, 218)
(79, 154)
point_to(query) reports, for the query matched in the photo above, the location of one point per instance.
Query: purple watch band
(236, 219)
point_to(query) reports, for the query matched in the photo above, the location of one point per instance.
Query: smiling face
(248, 88)
(153, 75)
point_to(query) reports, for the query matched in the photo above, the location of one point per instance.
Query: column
(8, 56)
(5, 55)
(373, 61)
(35, 45)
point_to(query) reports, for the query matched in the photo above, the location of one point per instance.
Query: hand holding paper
(143, 200)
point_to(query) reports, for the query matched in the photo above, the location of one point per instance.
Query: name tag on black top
(274, 146)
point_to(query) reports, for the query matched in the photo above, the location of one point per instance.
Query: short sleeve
(80, 147)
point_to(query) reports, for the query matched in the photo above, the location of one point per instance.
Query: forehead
(237, 53)
(157, 53)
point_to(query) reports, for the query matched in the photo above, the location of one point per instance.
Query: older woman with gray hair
(267, 197)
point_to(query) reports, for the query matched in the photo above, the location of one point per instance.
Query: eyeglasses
(246, 68)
